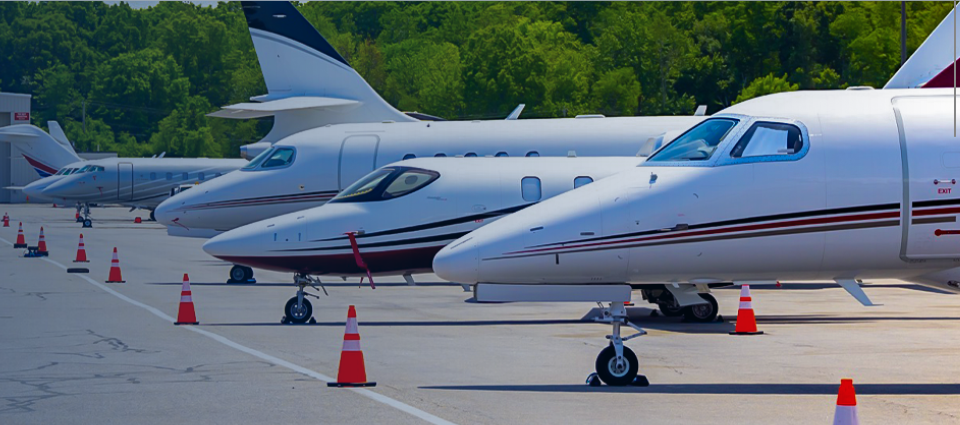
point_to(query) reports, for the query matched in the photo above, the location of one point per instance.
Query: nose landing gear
(83, 211)
(298, 309)
(617, 365)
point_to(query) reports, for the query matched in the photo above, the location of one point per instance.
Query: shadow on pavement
(722, 389)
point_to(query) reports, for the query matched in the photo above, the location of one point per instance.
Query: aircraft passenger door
(358, 155)
(125, 181)
(933, 172)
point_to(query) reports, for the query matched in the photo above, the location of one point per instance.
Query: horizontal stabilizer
(270, 108)
(14, 188)
(16, 134)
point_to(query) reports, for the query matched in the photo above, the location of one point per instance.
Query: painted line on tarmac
(396, 404)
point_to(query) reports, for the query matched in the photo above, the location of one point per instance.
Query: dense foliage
(146, 77)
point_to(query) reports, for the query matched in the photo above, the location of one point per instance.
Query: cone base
(186, 323)
(747, 333)
(78, 270)
(19, 245)
(116, 281)
(351, 384)
(80, 261)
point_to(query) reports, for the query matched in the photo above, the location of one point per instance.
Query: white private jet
(801, 186)
(400, 216)
(309, 166)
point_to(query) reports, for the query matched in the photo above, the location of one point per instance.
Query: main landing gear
(298, 309)
(617, 365)
(705, 312)
(241, 274)
(83, 215)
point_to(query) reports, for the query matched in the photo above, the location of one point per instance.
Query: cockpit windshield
(697, 144)
(387, 183)
(257, 160)
(272, 158)
(61, 172)
(84, 169)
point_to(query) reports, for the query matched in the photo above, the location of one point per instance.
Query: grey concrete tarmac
(72, 353)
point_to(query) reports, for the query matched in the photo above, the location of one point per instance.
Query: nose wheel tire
(298, 314)
(152, 217)
(240, 274)
(702, 313)
(617, 373)
(87, 223)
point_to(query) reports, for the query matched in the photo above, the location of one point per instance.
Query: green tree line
(145, 78)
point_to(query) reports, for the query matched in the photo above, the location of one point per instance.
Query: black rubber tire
(294, 316)
(238, 273)
(88, 223)
(672, 310)
(702, 313)
(152, 218)
(247, 274)
(617, 378)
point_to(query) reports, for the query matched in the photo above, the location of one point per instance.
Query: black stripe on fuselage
(434, 225)
(739, 221)
(936, 203)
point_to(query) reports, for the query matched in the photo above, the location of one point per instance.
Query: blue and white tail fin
(309, 84)
(45, 153)
(930, 66)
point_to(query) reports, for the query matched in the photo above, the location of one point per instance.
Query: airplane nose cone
(35, 189)
(164, 213)
(458, 262)
(234, 243)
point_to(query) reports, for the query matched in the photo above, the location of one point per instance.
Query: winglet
(516, 112)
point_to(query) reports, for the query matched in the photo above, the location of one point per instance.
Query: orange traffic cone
(115, 276)
(81, 252)
(77, 216)
(21, 242)
(137, 220)
(746, 319)
(846, 413)
(186, 315)
(6, 220)
(42, 244)
(352, 371)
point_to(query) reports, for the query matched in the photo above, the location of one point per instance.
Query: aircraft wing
(14, 188)
(269, 108)
(15, 132)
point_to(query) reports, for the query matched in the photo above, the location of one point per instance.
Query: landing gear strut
(241, 274)
(84, 217)
(298, 309)
(617, 365)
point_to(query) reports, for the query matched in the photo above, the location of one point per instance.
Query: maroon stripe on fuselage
(255, 202)
(412, 260)
(936, 211)
(774, 225)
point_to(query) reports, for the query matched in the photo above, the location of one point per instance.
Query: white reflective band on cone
(846, 415)
(186, 299)
(352, 326)
(744, 305)
(351, 345)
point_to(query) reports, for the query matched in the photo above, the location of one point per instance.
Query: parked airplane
(50, 154)
(136, 182)
(826, 185)
(308, 168)
(401, 215)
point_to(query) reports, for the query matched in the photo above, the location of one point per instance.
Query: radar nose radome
(458, 262)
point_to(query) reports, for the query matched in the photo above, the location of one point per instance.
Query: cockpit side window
(768, 139)
(408, 182)
(387, 183)
(84, 169)
(257, 160)
(60, 172)
(697, 144)
(280, 157)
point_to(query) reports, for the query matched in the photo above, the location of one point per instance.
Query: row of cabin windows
(500, 154)
(531, 191)
(185, 176)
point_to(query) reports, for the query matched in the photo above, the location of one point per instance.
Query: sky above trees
(147, 76)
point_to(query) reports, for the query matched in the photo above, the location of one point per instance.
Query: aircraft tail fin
(309, 83)
(930, 66)
(41, 150)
